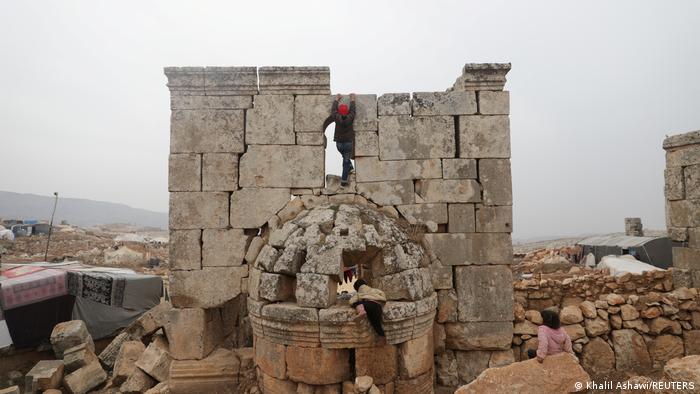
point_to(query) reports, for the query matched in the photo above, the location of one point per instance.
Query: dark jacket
(344, 131)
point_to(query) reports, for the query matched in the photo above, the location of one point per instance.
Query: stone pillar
(633, 227)
(682, 190)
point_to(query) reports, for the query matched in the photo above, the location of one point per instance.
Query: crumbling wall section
(247, 153)
(682, 190)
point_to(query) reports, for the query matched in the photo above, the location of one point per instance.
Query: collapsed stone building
(259, 240)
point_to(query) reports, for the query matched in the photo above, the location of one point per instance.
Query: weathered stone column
(633, 227)
(682, 192)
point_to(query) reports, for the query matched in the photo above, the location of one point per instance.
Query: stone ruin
(682, 191)
(259, 237)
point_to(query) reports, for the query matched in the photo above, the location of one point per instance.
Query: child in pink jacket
(551, 337)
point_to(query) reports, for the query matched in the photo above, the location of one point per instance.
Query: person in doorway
(368, 301)
(344, 136)
(552, 338)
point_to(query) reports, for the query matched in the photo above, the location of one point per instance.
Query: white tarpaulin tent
(620, 265)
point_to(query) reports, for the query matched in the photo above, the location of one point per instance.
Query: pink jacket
(552, 341)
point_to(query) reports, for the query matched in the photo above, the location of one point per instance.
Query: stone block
(207, 288)
(45, 375)
(202, 131)
(462, 218)
(66, 335)
(310, 111)
(479, 335)
(471, 364)
(494, 176)
(218, 373)
(314, 139)
(484, 136)
(366, 143)
(184, 172)
(193, 210)
(109, 354)
(318, 365)
(371, 169)
(388, 192)
(412, 284)
(224, 247)
(15, 390)
(423, 213)
(381, 363)
(494, 219)
(686, 258)
(493, 103)
(365, 112)
(256, 244)
(276, 287)
(211, 102)
(185, 80)
(441, 276)
(448, 190)
(394, 104)
(124, 365)
(404, 137)
(78, 357)
(459, 169)
(471, 248)
(219, 172)
(484, 293)
(482, 76)
(295, 80)
(155, 360)
(291, 210)
(271, 121)
(315, 291)
(683, 156)
(185, 250)
(226, 81)
(85, 379)
(268, 166)
(664, 348)
(682, 140)
(253, 207)
(691, 183)
(421, 384)
(630, 350)
(271, 385)
(444, 103)
(193, 332)
(683, 213)
(691, 340)
(138, 382)
(693, 238)
(270, 358)
(415, 356)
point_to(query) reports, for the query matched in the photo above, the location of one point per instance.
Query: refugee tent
(652, 250)
(620, 265)
(35, 297)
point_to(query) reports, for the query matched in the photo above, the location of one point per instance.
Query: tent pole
(48, 240)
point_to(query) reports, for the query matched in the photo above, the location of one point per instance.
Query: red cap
(343, 109)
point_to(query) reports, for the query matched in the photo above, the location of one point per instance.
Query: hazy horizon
(595, 88)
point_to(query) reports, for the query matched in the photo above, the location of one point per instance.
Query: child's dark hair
(359, 283)
(550, 319)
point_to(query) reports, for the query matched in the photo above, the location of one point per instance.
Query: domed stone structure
(298, 316)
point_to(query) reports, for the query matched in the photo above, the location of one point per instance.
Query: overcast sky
(595, 87)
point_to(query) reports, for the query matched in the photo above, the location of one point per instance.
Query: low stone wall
(629, 323)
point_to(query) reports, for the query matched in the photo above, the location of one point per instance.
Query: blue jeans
(345, 149)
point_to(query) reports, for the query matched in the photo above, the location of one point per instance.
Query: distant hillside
(77, 211)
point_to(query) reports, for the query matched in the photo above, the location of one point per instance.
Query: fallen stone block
(109, 354)
(124, 365)
(216, 374)
(46, 374)
(139, 382)
(155, 360)
(557, 374)
(78, 357)
(68, 334)
(85, 379)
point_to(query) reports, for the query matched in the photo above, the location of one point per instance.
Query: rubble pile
(616, 332)
(548, 260)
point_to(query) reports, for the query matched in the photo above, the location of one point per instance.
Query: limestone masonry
(260, 236)
(683, 205)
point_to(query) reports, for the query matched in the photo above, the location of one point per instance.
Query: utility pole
(48, 240)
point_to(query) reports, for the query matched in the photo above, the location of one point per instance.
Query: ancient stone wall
(682, 191)
(246, 169)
